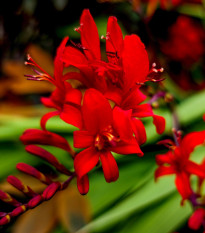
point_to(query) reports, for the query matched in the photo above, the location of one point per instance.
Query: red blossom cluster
(178, 161)
(108, 112)
(107, 109)
(188, 47)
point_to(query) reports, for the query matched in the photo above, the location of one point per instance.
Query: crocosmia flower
(119, 78)
(177, 161)
(128, 60)
(105, 130)
(65, 99)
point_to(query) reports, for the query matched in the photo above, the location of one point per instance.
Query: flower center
(106, 139)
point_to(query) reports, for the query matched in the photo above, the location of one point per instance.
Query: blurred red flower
(187, 47)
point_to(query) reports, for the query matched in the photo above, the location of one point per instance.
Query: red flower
(184, 47)
(133, 101)
(197, 219)
(176, 161)
(120, 78)
(105, 130)
(65, 99)
(128, 60)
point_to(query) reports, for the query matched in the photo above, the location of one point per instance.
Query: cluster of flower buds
(178, 161)
(107, 108)
(52, 186)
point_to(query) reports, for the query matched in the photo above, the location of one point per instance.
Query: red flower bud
(5, 220)
(19, 210)
(33, 172)
(20, 186)
(40, 152)
(5, 197)
(50, 190)
(35, 201)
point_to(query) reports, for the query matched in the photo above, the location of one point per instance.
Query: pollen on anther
(77, 29)
(28, 57)
(154, 64)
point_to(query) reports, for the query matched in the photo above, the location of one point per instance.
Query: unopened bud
(35, 201)
(50, 190)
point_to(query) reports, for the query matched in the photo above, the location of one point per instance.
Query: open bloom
(105, 130)
(120, 78)
(65, 99)
(127, 64)
(177, 161)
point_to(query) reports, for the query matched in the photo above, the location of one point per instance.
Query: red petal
(71, 115)
(74, 57)
(139, 131)
(97, 112)
(46, 101)
(114, 94)
(109, 165)
(58, 64)
(190, 141)
(133, 99)
(46, 117)
(163, 171)
(130, 147)
(135, 61)
(145, 110)
(195, 169)
(37, 136)
(89, 36)
(83, 184)
(197, 218)
(183, 185)
(114, 42)
(73, 96)
(159, 122)
(165, 158)
(56, 99)
(82, 139)
(85, 161)
(122, 123)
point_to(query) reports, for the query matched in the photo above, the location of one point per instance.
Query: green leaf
(145, 196)
(10, 155)
(165, 217)
(12, 128)
(132, 176)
